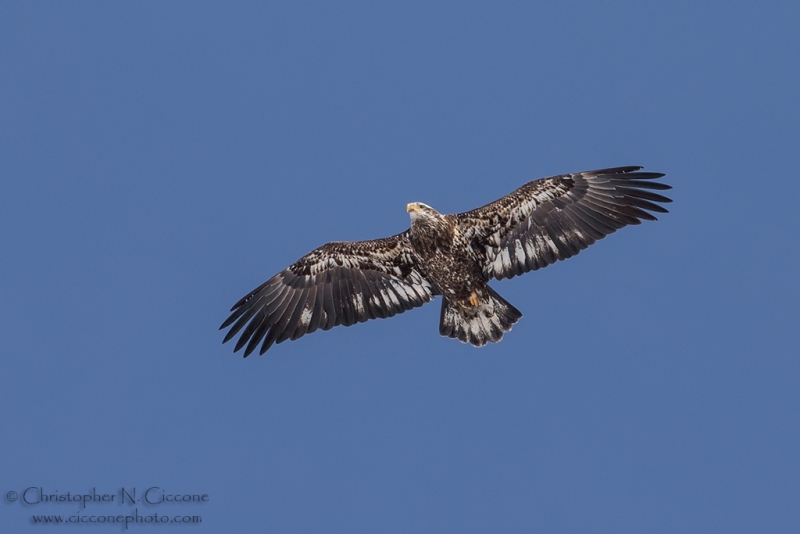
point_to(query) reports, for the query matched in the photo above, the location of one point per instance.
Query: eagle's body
(444, 258)
(471, 311)
(450, 255)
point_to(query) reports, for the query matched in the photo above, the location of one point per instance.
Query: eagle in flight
(455, 256)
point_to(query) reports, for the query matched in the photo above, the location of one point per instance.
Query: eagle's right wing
(338, 283)
(555, 218)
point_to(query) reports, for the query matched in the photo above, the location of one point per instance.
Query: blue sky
(160, 160)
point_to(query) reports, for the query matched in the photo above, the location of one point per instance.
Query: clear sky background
(159, 160)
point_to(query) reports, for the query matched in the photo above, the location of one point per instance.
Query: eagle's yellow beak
(413, 206)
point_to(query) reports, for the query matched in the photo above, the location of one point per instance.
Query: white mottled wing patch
(555, 218)
(340, 283)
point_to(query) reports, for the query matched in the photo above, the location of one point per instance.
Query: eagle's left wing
(555, 218)
(340, 283)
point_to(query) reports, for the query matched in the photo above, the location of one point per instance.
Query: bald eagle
(343, 283)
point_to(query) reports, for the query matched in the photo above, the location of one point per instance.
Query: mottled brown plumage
(453, 255)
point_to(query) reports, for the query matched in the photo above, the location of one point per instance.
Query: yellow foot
(473, 298)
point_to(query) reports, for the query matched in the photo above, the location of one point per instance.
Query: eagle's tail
(478, 324)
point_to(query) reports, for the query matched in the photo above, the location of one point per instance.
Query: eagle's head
(418, 209)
